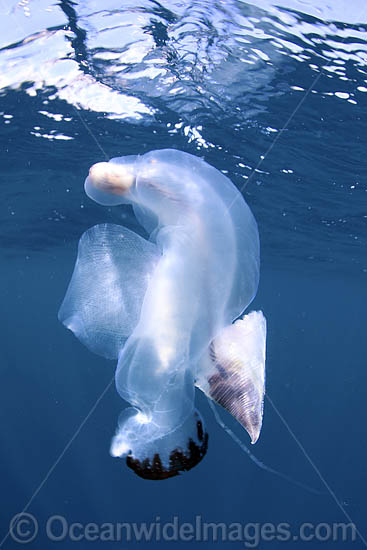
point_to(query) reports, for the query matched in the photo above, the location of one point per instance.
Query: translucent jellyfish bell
(165, 307)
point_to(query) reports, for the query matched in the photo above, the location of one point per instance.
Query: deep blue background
(312, 224)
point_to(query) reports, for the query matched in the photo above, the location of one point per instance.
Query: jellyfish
(170, 308)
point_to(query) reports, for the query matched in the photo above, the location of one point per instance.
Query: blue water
(276, 97)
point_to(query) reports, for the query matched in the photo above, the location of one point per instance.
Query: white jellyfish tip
(112, 178)
(254, 435)
(119, 448)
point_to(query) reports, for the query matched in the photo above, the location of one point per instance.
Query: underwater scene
(183, 274)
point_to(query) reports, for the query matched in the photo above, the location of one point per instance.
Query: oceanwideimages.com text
(25, 528)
